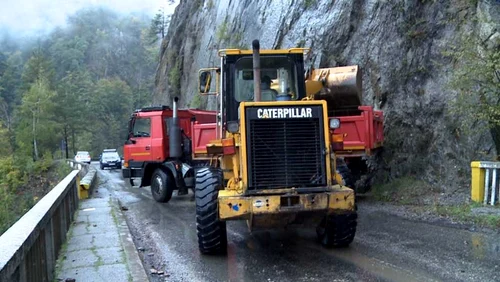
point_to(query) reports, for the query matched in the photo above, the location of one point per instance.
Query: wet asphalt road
(386, 247)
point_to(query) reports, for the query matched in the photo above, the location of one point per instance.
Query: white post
(486, 185)
(493, 187)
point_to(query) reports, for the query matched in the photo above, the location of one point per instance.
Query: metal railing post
(486, 185)
(493, 187)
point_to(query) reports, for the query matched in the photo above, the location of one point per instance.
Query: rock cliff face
(398, 44)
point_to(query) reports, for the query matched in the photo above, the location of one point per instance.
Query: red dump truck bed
(362, 133)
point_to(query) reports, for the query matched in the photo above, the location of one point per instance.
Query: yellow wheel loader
(271, 150)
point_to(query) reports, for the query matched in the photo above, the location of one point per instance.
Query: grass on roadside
(464, 213)
(404, 190)
(409, 191)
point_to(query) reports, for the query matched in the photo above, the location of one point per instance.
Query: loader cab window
(280, 70)
(142, 127)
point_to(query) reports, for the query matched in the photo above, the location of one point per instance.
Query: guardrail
(82, 167)
(28, 250)
(485, 186)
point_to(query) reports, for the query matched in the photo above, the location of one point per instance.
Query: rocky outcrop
(398, 44)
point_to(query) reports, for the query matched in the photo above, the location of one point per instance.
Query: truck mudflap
(232, 206)
(132, 172)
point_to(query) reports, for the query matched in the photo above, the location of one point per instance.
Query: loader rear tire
(162, 185)
(212, 236)
(337, 230)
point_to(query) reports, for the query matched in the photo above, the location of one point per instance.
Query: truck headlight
(334, 123)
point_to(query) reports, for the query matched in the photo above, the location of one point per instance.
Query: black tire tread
(167, 191)
(338, 230)
(212, 237)
(347, 177)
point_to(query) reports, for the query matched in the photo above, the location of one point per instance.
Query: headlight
(233, 127)
(334, 123)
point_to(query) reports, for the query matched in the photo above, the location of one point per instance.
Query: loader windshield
(278, 77)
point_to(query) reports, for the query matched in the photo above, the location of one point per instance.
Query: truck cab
(151, 153)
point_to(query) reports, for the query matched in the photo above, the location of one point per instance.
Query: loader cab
(285, 68)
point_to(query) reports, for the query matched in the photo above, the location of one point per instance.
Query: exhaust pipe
(174, 133)
(256, 70)
(175, 112)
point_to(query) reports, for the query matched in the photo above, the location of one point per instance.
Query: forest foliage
(71, 90)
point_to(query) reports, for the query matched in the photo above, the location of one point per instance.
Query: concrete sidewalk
(99, 245)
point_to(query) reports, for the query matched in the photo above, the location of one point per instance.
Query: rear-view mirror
(208, 81)
(205, 81)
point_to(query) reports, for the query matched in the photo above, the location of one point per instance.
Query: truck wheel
(162, 186)
(347, 177)
(212, 236)
(337, 230)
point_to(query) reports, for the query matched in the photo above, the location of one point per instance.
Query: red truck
(159, 146)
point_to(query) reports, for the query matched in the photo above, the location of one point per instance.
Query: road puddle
(483, 248)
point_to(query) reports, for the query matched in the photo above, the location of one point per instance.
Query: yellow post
(84, 191)
(477, 185)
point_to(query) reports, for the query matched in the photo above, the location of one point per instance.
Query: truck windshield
(142, 127)
(278, 77)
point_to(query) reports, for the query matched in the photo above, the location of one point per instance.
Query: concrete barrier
(88, 176)
(29, 249)
(87, 183)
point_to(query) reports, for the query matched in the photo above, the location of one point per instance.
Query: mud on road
(386, 248)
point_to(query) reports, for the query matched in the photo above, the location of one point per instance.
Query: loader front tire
(337, 230)
(212, 236)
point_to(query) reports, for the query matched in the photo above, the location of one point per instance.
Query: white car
(83, 157)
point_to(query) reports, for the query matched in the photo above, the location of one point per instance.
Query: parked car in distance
(83, 157)
(110, 158)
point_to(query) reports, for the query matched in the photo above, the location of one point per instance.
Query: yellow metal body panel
(313, 87)
(477, 185)
(233, 206)
(225, 52)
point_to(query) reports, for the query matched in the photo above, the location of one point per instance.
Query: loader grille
(285, 152)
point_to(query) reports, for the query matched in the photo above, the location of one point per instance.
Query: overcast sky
(29, 17)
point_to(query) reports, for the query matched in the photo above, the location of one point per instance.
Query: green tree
(111, 105)
(68, 53)
(11, 67)
(37, 68)
(5, 148)
(159, 25)
(476, 79)
(73, 92)
(37, 129)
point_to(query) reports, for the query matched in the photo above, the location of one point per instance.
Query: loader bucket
(341, 89)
